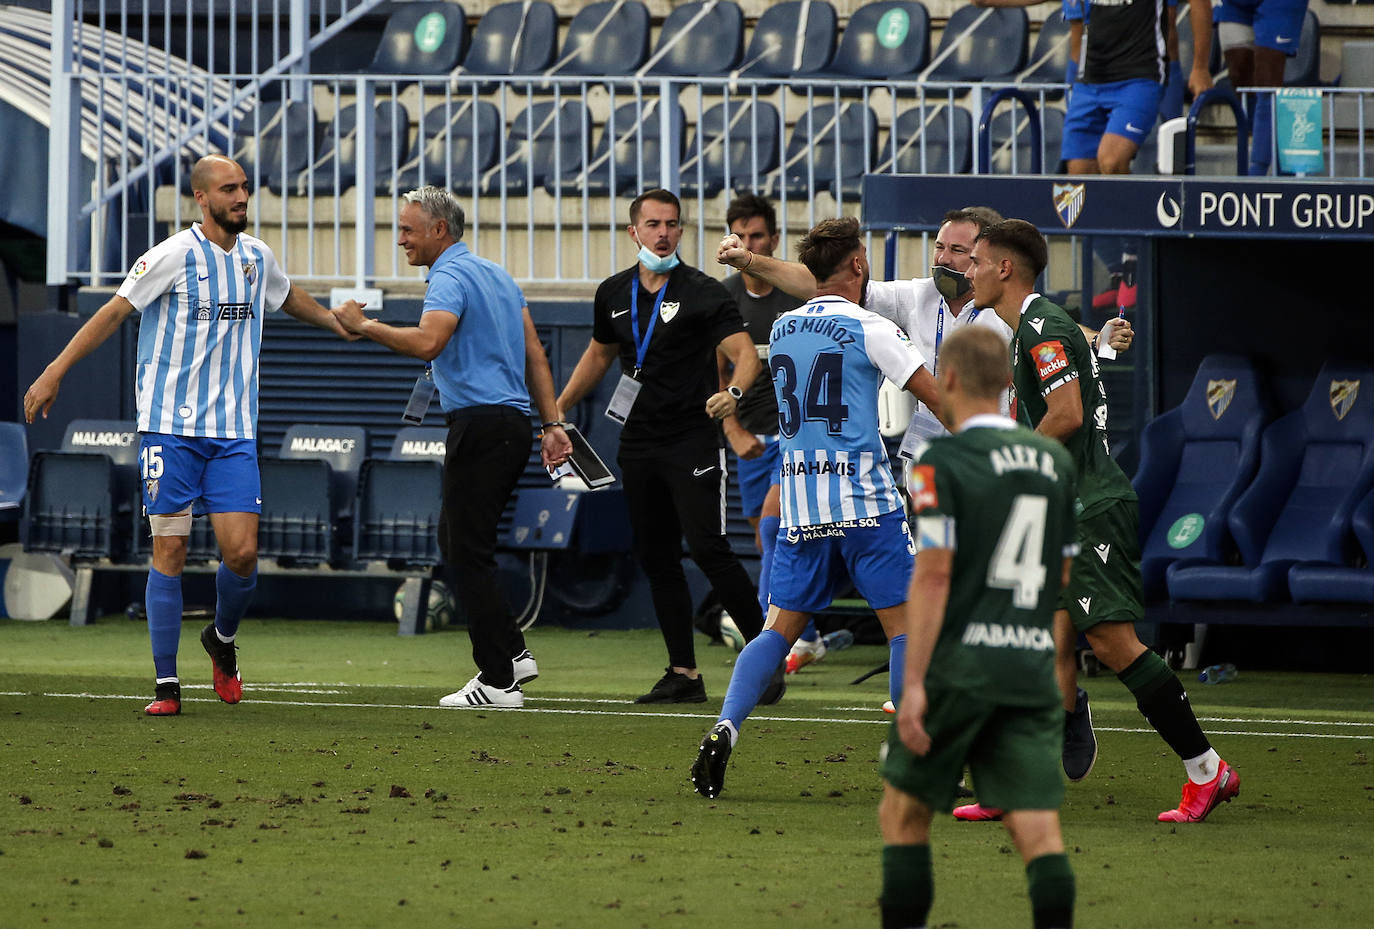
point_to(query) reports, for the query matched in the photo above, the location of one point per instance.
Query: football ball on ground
(730, 632)
(440, 608)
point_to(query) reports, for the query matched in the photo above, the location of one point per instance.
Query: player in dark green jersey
(993, 509)
(1057, 391)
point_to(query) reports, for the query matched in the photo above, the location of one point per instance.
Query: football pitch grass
(339, 794)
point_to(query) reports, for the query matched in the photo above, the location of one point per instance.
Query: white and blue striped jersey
(828, 359)
(200, 332)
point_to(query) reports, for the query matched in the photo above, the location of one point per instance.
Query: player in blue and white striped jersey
(841, 513)
(203, 294)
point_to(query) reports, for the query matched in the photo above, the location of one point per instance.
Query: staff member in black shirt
(664, 320)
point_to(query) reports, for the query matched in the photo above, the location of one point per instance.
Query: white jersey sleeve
(889, 349)
(155, 273)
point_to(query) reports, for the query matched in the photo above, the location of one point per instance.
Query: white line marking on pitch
(573, 712)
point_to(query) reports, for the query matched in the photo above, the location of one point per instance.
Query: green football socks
(908, 888)
(1051, 886)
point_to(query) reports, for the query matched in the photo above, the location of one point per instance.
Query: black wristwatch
(735, 392)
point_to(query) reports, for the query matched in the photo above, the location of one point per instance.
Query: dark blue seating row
(1236, 507)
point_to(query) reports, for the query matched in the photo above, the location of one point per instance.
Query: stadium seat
(414, 443)
(335, 168)
(1352, 582)
(1302, 69)
(607, 38)
(422, 38)
(117, 439)
(275, 143)
(631, 164)
(1357, 70)
(69, 508)
(981, 45)
(791, 39)
(296, 525)
(343, 448)
(544, 140)
(1050, 56)
(828, 144)
(888, 40)
(1195, 461)
(1007, 137)
(736, 146)
(946, 133)
(512, 39)
(14, 470)
(398, 512)
(459, 141)
(1316, 464)
(700, 39)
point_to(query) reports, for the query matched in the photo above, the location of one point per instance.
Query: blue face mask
(656, 263)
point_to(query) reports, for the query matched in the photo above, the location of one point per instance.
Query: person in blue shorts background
(1257, 37)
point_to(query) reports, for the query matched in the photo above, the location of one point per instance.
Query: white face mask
(654, 262)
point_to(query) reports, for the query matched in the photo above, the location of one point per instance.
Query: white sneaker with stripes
(475, 695)
(524, 667)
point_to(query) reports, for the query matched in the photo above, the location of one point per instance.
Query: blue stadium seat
(1348, 583)
(1316, 465)
(1050, 56)
(335, 167)
(981, 45)
(736, 146)
(631, 164)
(275, 143)
(460, 139)
(14, 470)
(829, 145)
(1195, 460)
(544, 140)
(888, 40)
(117, 439)
(343, 448)
(945, 131)
(791, 39)
(1302, 70)
(606, 38)
(398, 512)
(513, 38)
(70, 505)
(296, 525)
(699, 40)
(1010, 128)
(422, 38)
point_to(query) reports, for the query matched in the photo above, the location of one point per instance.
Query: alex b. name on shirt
(1022, 458)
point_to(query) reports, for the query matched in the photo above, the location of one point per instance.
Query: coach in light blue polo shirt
(487, 361)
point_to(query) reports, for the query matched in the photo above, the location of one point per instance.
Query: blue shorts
(217, 475)
(1277, 24)
(1124, 108)
(809, 564)
(756, 475)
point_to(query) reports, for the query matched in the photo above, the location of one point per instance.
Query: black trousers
(682, 495)
(487, 449)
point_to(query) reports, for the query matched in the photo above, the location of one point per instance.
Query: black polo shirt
(679, 371)
(1126, 41)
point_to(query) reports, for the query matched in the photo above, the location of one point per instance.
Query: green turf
(363, 804)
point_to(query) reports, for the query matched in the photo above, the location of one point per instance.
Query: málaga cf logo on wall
(1068, 202)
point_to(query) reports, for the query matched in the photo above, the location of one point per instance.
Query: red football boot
(1201, 799)
(223, 664)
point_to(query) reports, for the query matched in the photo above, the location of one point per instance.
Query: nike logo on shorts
(1283, 39)
(698, 472)
(1130, 128)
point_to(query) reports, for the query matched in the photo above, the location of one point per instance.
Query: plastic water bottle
(1218, 674)
(840, 638)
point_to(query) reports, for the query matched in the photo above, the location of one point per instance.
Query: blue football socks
(768, 541)
(753, 670)
(896, 662)
(163, 602)
(232, 596)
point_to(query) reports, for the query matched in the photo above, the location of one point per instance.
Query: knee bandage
(1234, 35)
(174, 524)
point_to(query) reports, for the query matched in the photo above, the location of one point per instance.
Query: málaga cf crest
(1068, 202)
(1343, 394)
(1220, 393)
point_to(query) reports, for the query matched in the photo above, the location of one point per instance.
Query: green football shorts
(1013, 753)
(1104, 585)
